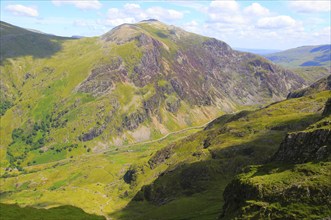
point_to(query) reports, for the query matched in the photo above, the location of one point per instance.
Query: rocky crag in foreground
(294, 185)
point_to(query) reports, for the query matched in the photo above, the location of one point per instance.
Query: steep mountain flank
(172, 57)
(135, 83)
(294, 185)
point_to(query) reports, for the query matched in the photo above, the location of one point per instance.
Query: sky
(276, 24)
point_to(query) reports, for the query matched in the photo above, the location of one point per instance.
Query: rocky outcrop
(161, 156)
(243, 198)
(130, 176)
(301, 147)
(320, 85)
(133, 120)
(172, 105)
(95, 131)
(103, 78)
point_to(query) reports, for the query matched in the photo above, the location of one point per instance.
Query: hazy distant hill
(303, 56)
(258, 51)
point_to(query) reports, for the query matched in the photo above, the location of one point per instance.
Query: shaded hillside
(18, 42)
(135, 83)
(303, 56)
(14, 212)
(193, 173)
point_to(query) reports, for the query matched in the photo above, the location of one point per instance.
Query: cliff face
(199, 70)
(302, 147)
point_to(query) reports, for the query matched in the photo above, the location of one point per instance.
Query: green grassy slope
(92, 182)
(292, 188)
(14, 212)
(195, 171)
(297, 191)
(17, 42)
(184, 179)
(303, 56)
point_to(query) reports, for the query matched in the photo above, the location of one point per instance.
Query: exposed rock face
(160, 156)
(132, 121)
(102, 79)
(320, 85)
(130, 176)
(172, 105)
(95, 131)
(204, 72)
(305, 146)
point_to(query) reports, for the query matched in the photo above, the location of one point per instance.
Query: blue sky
(245, 24)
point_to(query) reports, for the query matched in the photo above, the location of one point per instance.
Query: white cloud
(132, 13)
(311, 6)
(224, 6)
(277, 22)
(22, 10)
(116, 17)
(81, 4)
(256, 9)
(131, 6)
(225, 12)
(164, 14)
(119, 21)
(324, 32)
(192, 26)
